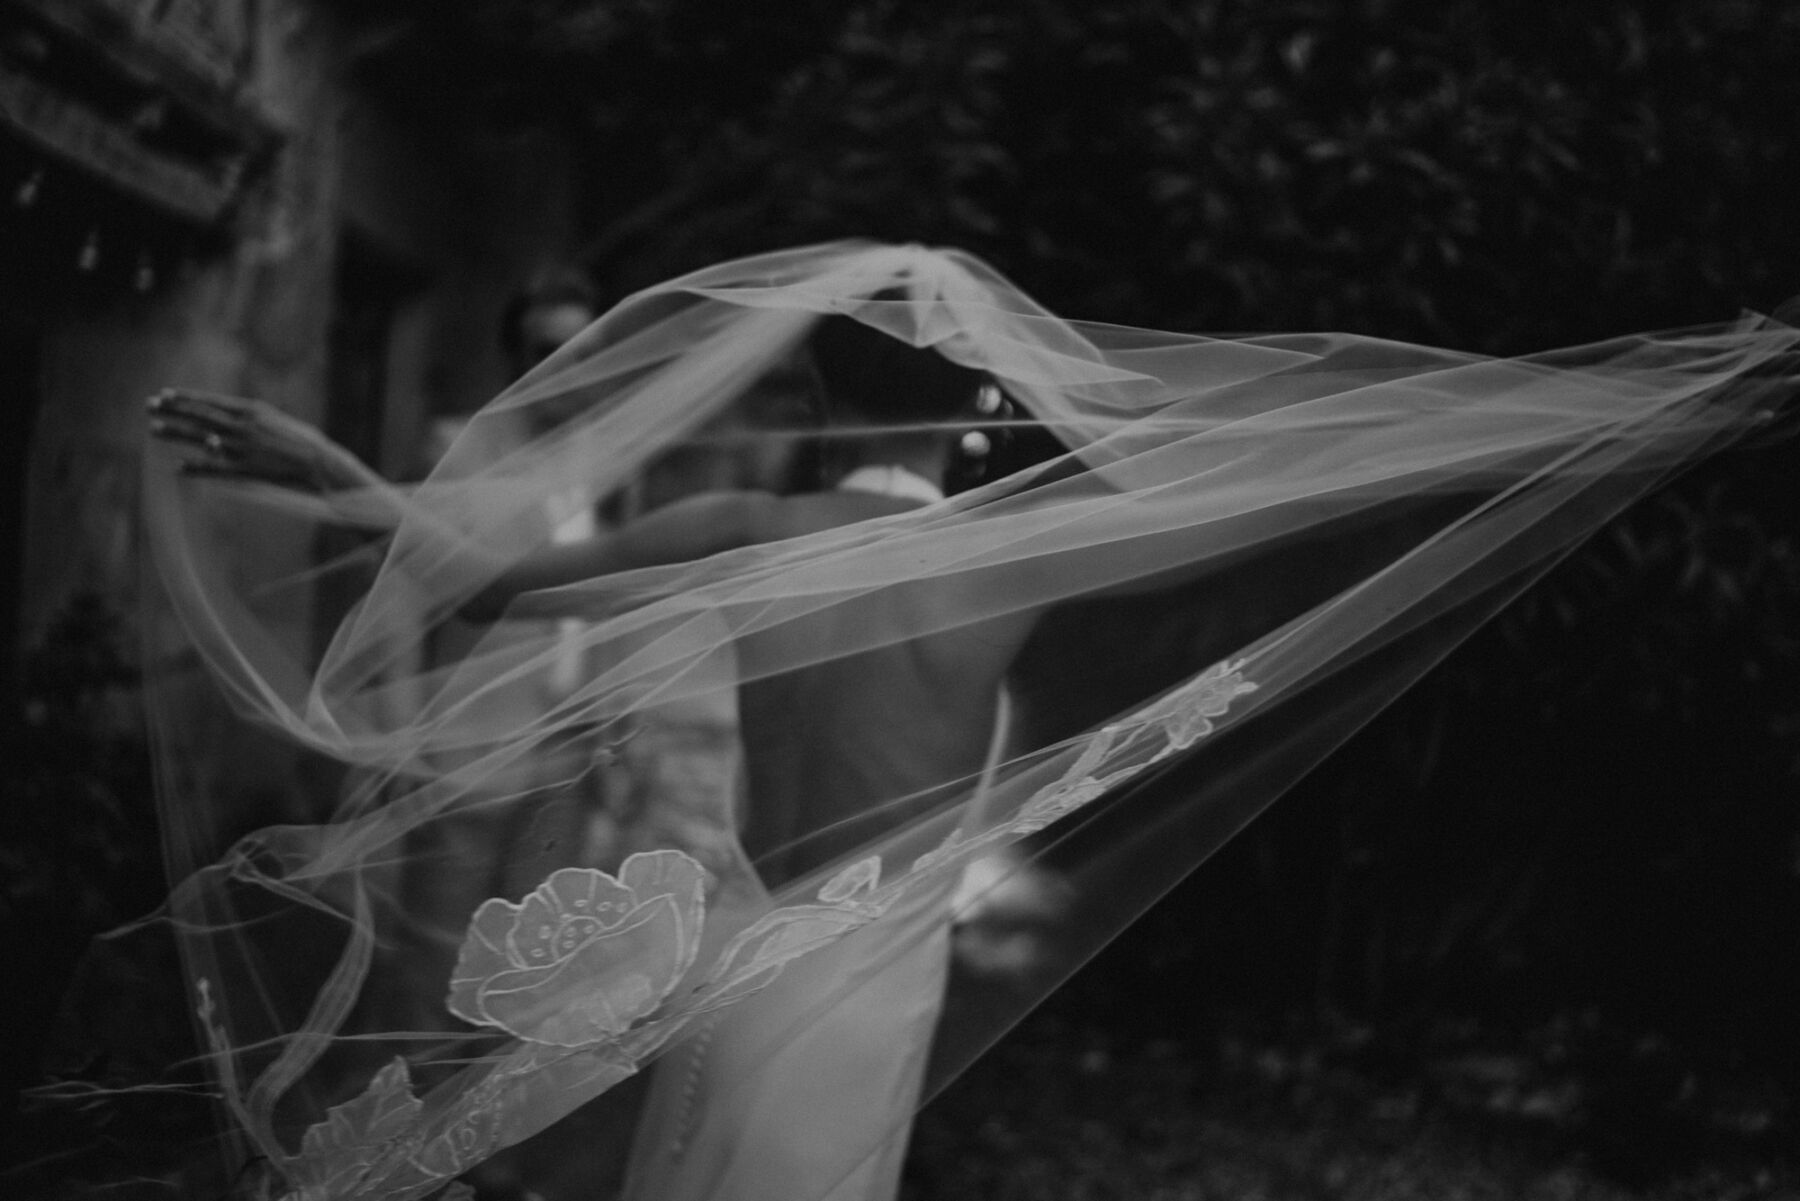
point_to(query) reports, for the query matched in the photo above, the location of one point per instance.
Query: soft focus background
(1535, 933)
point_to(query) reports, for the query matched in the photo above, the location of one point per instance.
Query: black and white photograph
(895, 600)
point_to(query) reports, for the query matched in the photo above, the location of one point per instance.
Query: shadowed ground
(1306, 1113)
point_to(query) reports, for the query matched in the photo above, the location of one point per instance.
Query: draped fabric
(429, 907)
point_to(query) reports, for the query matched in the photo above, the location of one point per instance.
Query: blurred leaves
(1496, 176)
(78, 846)
(1501, 177)
(76, 804)
(1484, 175)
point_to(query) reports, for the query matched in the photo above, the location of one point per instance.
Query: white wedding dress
(807, 1088)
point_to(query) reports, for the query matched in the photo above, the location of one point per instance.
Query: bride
(785, 974)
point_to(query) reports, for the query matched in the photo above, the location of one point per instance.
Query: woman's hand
(252, 440)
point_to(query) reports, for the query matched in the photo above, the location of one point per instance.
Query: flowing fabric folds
(429, 909)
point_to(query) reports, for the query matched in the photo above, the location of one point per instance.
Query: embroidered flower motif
(470, 1138)
(754, 958)
(1057, 802)
(337, 1152)
(955, 844)
(1075, 788)
(860, 877)
(1092, 755)
(586, 954)
(1208, 696)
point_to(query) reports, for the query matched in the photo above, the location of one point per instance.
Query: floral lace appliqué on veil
(578, 969)
(585, 955)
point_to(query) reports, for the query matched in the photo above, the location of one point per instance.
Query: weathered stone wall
(468, 212)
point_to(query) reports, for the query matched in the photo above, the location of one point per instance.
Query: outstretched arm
(253, 440)
(685, 531)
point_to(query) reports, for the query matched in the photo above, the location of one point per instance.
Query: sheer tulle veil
(1328, 515)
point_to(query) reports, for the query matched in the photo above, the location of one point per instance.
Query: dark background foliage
(1495, 176)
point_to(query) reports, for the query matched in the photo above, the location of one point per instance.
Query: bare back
(858, 744)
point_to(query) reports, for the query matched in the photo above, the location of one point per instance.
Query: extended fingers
(213, 422)
(174, 426)
(225, 412)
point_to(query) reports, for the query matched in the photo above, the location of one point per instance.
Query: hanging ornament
(89, 258)
(27, 193)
